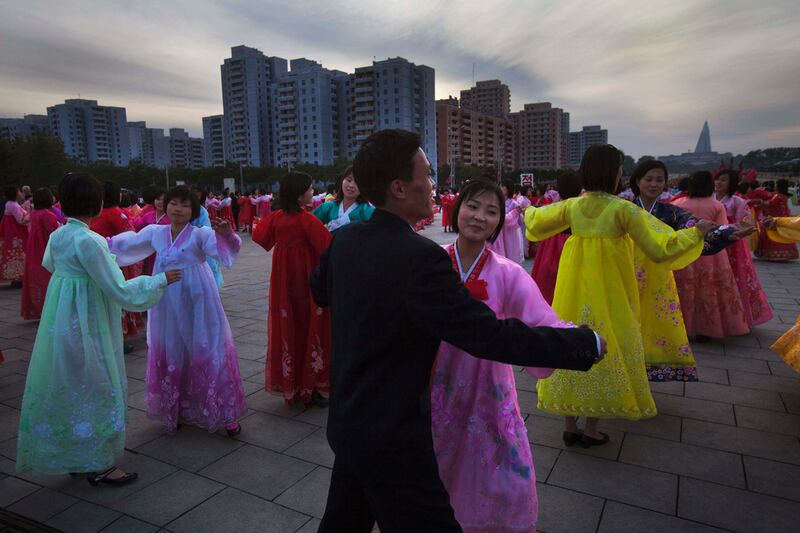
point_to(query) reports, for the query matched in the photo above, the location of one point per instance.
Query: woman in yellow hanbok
(786, 230)
(597, 286)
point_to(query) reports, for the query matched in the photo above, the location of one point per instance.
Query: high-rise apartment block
(580, 141)
(18, 128)
(91, 132)
(306, 114)
(246, 82)
(214, 140)
(490, 97)
(538, 139)
(185, 151)
(467, 137)
(147, 145)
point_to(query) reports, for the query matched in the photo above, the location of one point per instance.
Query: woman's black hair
(340, 181)
(642, 169)
(10, 192)
(183, 193)
(743, 187)
(683, 184)
(526, 190)
(782, 186)
(733, 180)
(42, 199)
(81, 195)
(509, 185)
(110, 194)
(701, 184)
(569, 185)
(473, 189)
(151, 193)
(600, 167)
(293, 186)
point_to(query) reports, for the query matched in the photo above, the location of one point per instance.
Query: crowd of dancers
(646, 270)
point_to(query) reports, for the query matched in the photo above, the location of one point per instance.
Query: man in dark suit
(394, 297)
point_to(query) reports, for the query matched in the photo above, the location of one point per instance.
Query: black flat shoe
(234, 432)
(570, 438)
(102, 477)
(127, 348)
(588, 442)
(319, 400)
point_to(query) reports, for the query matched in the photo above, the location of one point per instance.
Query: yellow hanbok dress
(787, 230)
(597, 286)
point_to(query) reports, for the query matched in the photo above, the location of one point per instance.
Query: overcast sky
(649, 71)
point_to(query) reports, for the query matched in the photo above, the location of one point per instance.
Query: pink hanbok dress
(756, 307)
(479, 436)
(509, 242)
(192, 367)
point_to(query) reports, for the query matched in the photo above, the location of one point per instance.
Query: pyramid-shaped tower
(704, 142)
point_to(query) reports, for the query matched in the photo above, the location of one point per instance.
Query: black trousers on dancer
(398, 489)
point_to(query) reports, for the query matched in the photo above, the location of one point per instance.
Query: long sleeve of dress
(264, 234)
(787, 230)
(224, 248)
(131, 247)
(443, 308)
(137, 294)
(323, 212)
(658, 241)
(716, 240)
(544, 222)
(318, 235)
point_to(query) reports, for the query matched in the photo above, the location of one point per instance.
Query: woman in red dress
(776, 206)
(298, 331)
(448, 201)
(113, 221)
(13, 234)
(226, 210)
(36, 277)
(246, 211)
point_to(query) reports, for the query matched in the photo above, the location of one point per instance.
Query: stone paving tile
(566, 511)
(742, 440)
(312, 526)
(548, 432)
(139, 429)
(736, 509)
(710, 374)
(269, 403)
(43, 504)
(169, 498)
(234, 510)
(779, 368)
(735, 395)
(668, 387)
(770, 477)
(83, 517)
(761, 382)
(732, 363)
(14, 489)
(792, 402)
(662, 426)
(785, 423)
(190, 448)
(9, 424)
(310, 494)
(317, 416)
(544, 458)
(616, 481)
(258, 471)
(274, 432)
(693, 408)
(136, 367)
(763, 353)
(683, 459)
(620, 517)
(128, 524)
(314, 449)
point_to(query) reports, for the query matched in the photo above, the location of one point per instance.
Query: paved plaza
(723, 454)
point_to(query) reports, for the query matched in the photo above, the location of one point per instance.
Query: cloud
(651, 72)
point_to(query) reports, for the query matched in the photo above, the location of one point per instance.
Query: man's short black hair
(385, 156)
(183, 193)
(81, 195)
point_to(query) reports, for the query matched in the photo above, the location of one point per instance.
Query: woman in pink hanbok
(192, 367)
(754, 301)
(479, 436)
(509, 242)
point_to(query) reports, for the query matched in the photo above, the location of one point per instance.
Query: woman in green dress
(73, 410)
(349, 205)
